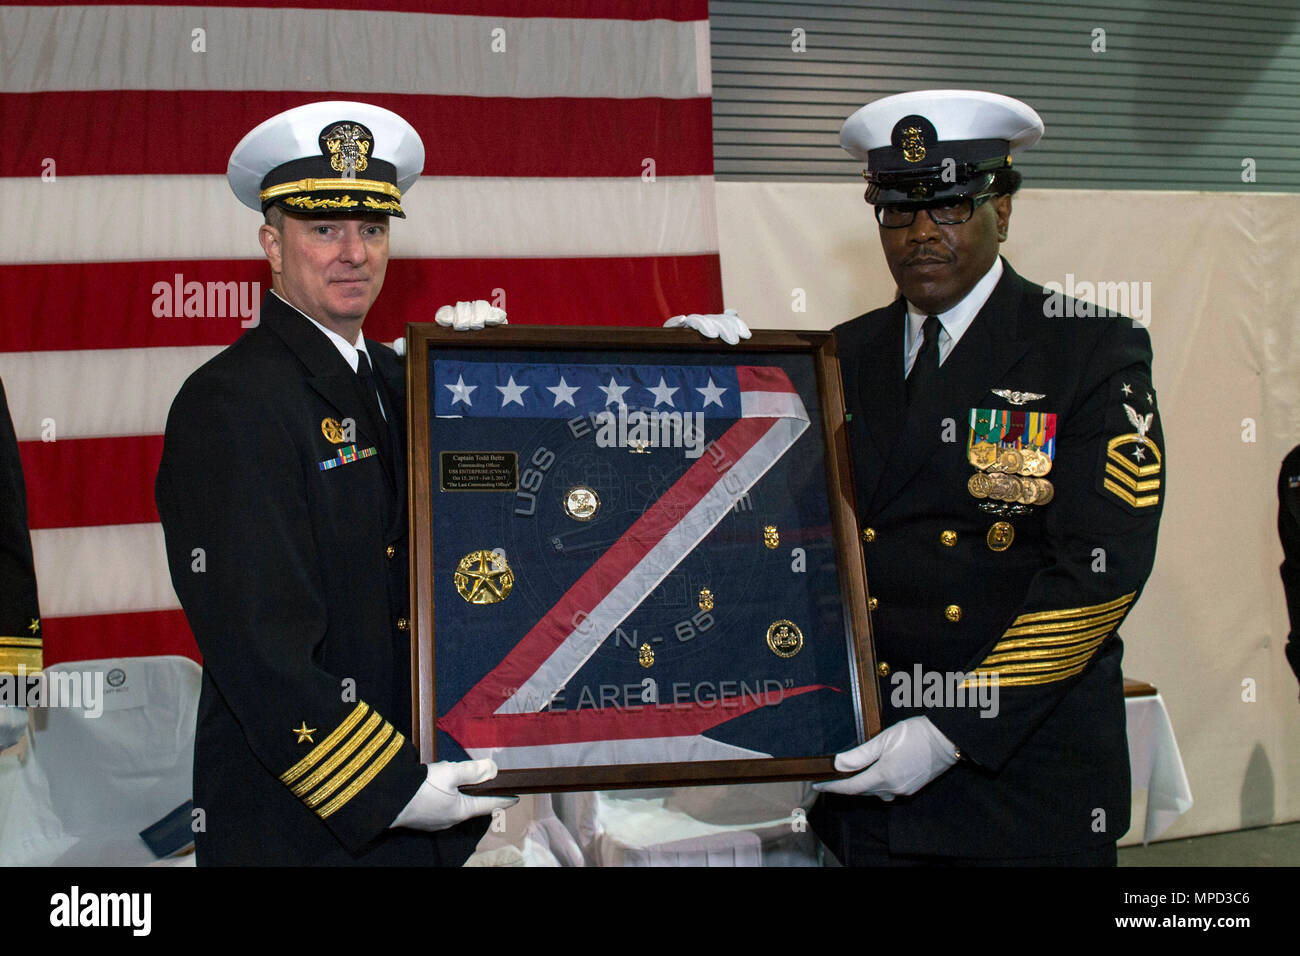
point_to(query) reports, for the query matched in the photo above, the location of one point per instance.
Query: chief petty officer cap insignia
(937, 144)
(328, 159)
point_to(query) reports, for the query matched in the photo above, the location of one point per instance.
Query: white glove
(399, 346)
(902, 759)
(439, 804)
(729, 326)
(467, 316)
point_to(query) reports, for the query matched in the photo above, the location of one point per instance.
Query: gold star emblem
(34, 626)
(484, 578)
(304, 733)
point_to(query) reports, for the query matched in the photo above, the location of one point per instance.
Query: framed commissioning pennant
(634, 558)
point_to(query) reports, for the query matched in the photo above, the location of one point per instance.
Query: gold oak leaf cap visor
(333, 158)
(930, 145)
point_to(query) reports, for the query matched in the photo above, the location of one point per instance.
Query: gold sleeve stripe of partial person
(1045, 646)
(16, 652)
(341, 765)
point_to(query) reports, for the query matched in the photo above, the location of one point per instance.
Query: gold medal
(484, 577)
(979, 484)
(1028, 491)
(1009, 460)
(1043, 465)
(1004, 487)
(784, 638)
(1000, 536)
(1029, 460)
(982, 454)
(1046, 492)
(581, 503)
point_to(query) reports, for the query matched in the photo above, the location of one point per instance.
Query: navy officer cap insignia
(937, 144)
(328, 159)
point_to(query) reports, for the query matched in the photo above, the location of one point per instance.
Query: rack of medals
(1012, 453)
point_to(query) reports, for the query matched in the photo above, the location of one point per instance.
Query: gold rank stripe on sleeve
(331, 763)
(1124, 478)
(1026, 650)
(1136, 485)
(341, 765)
(1045, 646)
(351, 768)
(317, 753)
(1069, 612)
(1061, 629)
(365, 777)
(1143, 501)
(20, 652)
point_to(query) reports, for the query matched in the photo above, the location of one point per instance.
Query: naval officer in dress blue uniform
(282, 493)
(1009, 471)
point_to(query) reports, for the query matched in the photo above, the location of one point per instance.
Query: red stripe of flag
(533, 650)
(763, 378)
(574, 291)
(680, 10)
(192, 132)
(135, 634)
(76, 482)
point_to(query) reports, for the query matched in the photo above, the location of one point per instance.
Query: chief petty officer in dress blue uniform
(1009, 471)
(282, 493)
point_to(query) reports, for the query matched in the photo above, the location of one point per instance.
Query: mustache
(926, 255)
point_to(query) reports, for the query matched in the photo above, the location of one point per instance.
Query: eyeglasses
(948, 212)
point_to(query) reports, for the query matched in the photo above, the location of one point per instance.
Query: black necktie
(926, 365)
(371, 397)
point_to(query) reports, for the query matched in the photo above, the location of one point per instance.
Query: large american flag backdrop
(568, 177)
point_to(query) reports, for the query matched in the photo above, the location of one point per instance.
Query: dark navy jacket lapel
(990, 346)
(330, 375)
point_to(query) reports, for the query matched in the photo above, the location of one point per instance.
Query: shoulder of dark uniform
(858, 328)
(1080, 325)
(252, 372)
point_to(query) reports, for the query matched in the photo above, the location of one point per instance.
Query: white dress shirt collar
(347, 349)
(955, 321)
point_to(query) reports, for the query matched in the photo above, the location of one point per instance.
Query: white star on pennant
(510, 392)
(1150, 400)
(563, 392)
(1127, 389)
(712, 394)
(662, 393)
(460, 391)
(613, 392)
(1139, 453)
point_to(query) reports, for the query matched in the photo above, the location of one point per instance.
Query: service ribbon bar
(346, 456)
